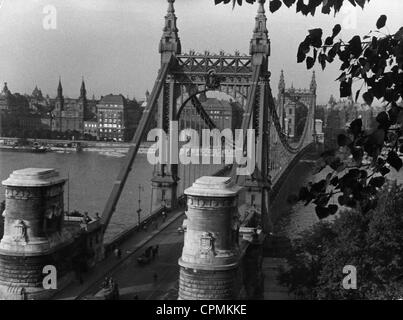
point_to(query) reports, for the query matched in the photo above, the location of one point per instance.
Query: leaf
(333, 209)
(355, 46)
(381, 22)
(361, 3)
(329, 41)
(322, 212)
(383, 119)
(368, 97)
(377, 182)
(305, 194)
(275, 5)
(303, 49)
(315, 36)
(310, 62)
(289, 3)
(345, 88)
(378, 137)
(336, 30)
(394, 160)
(319, 187)
(384, 171)
(322, 60)
(322, 200)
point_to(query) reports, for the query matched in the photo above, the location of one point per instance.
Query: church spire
(170, 42)
(281, 84)
(5, 90)
(83, 91)
(313, 82)
(260, 42)
(60, 89)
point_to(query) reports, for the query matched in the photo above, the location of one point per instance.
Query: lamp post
(139, 209)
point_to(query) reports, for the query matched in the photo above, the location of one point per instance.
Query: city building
(225, 114)
(6, 99)
(15, 115)
(117, 118)
(68, 114)
(339, 115)
(91, 128)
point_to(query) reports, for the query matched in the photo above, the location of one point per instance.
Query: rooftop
(113, 99)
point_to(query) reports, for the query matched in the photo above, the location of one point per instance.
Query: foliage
(310, 8)
(363, 158)
(376, 60)
(371, 241)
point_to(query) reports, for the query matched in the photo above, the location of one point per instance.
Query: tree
(372, 242)
(375, 60)
(305, 9)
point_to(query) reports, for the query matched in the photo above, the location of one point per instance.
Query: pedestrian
(86, 218)
(155, 276)
(118, 253)
(148, 252)
(136, 297)
(164, 215)
(155, 251)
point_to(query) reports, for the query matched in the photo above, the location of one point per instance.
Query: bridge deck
(131, 248)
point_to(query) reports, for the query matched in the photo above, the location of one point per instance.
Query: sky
(113, 44)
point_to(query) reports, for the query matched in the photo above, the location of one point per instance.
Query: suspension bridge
(181, 79)
(207, 270)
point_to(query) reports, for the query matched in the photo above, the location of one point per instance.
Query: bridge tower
(165, 179)
(210, 261)
(258, 184)
(34, 236)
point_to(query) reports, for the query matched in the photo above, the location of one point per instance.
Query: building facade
(68, 114)
(117, 118)
(91, 128)
(224, 114)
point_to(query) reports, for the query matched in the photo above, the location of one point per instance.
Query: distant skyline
(114, 44)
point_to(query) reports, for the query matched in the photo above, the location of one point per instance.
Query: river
(292, 220)
(91, 176)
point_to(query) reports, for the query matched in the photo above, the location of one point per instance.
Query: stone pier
(33, 234)
(209, 266)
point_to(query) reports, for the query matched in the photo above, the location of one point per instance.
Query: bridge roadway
(132, 278)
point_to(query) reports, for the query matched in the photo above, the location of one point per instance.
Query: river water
(292, 220)
(91, 176)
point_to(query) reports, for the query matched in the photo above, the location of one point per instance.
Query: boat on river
(33, 149)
